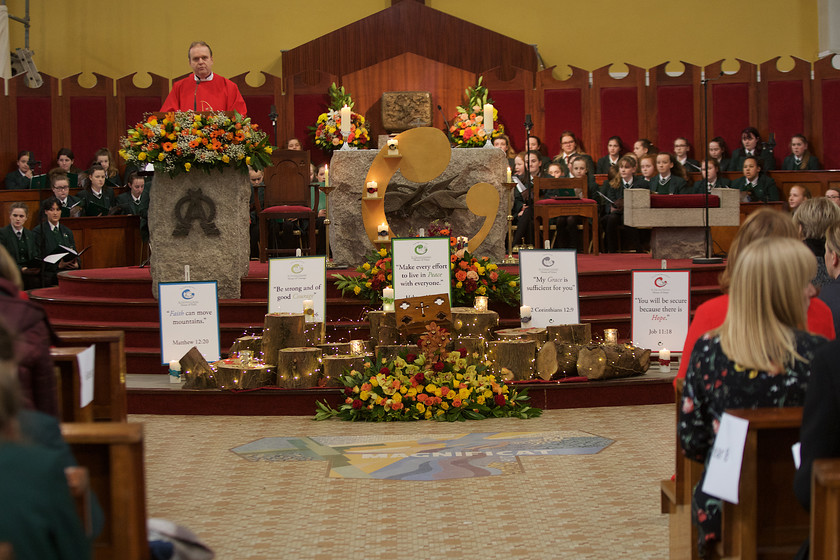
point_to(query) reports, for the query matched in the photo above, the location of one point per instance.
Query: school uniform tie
(798, 162)
(57, 234)
(19, 235)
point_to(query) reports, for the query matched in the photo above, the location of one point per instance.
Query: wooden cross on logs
(413, 314)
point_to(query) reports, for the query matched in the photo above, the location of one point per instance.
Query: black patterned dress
(714, 384)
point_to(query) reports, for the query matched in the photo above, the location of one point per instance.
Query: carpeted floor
(603, 505)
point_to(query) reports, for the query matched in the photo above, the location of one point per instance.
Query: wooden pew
(113, 454)
(109, 393)
(768, 522)
(70, 385)
(825, 510)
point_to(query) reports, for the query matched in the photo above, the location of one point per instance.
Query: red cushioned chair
(286, 197)
(547, 208)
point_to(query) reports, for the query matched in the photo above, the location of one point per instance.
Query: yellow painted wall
(117, 37)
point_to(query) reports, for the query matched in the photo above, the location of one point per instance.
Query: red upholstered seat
(683, 201)
(562, 200)
(289, 209)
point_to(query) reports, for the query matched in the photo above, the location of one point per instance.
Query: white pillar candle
(421, 232)
(372, 189)
(388, 299)
(309, 310)
(481, 303)
(175, 371)
(509, 175)
(345, 120)
(297, 252)
(547, 244)
(326, 175)
(488, 118)
(382, 231)
(525, 315)
(664, 360)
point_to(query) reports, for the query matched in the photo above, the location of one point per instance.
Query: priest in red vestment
(203, 90)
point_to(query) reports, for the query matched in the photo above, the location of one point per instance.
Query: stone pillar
(200, 220)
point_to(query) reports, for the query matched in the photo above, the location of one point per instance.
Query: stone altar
(211, 238)
(410, 206)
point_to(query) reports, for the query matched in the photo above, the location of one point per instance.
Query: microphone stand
(446, 124)
(273, 116)
(707, 228)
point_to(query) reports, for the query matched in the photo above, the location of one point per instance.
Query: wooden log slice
(391, 351)
(556, 361)
(612, 362)
(580, 333)
(298, 367)
(467, 321)
(538, 335)
(336, 366)
(517, 356)
(281, 330)
(252, 343)
(232, 375)
(196, 371)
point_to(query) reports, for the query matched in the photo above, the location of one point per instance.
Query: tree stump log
(298, 367)
(383, 327)
(313, 333)
(336, 366)
(391, 351)
(516, 356)
(580, 333)
(252, 343)
(197, 371)
(612, 362)
(230, 374)
(538, 335)
(281, 330)
(334, 348)
(556, 361)
(468, 322)
(472, 344)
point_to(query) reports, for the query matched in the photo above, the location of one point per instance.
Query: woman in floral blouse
(759, 357)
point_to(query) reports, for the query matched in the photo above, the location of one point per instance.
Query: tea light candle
(481, 303)
(357, 347)
(245, 357)
(611, 336)
(525, 314)
(345, 120)
(326, 175)
(509, 175)
(488, 118)
(387, 299)
(309, 310)
(372, 189)
(664, 360)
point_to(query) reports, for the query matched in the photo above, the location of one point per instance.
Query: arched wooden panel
(565, 106)
(259, 100)
(305, 98)
(133, 101)
(782, 103)
(674, 108)
(825, 112)
(513, 97)
(732, 101)
(91, 116)
(620, 106)
(35, 110)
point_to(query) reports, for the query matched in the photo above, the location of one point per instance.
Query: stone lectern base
(200, 220)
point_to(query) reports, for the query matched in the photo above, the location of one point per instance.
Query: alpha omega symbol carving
(195, 205)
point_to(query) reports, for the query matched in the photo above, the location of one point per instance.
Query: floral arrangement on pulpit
(185, 141)
(327, 129)
(470, 276)
(434, 385)
(467, 129)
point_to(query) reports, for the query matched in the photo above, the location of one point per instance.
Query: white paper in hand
(86, 360)
(723, 473)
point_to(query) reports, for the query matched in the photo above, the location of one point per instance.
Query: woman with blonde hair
(759, 357)
(830, 292)
(813, 218)
(764, 223)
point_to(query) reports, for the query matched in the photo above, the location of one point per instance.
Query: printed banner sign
(421, 266)
(660, 308)
(293, 280)
(549, 286)
(189, 316)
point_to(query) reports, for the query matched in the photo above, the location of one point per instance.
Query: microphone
(446, 122)
(273, 115)
(529, 124)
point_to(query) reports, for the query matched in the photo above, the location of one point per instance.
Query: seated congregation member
(570, 146)
(294, 144)
(502, 142)
(567, 226)
(751, 145)
(21, 178)
(719, 151)
(257, 179)
(670, 177)
(643, 146)
(555, 169)
(709, 315)
(20, 243)
(800, 158)
(647, 167)
(612, 213)
(615, 149)
(710, 180)
(66, 160)
(33, 338)
(50, 236)
(830, 291)
(812, 219)
(136, 202)
(681, 149)
(833, 195)
(759, 357)
(796, 196)
(98, 199)
(523, 200)
(754, 186)
(112, 174)
(535, 145)
(60, 184)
